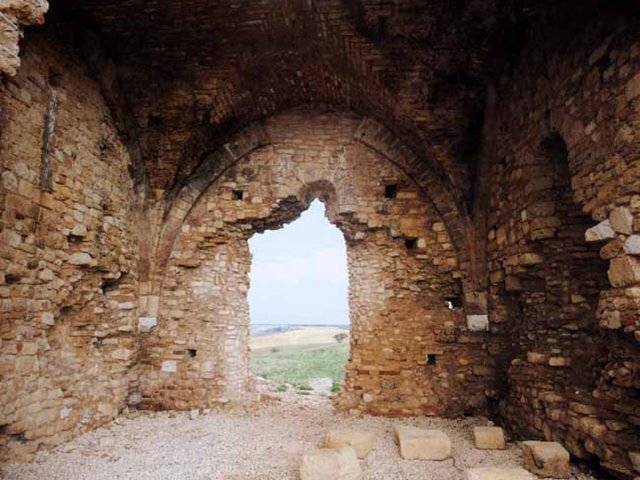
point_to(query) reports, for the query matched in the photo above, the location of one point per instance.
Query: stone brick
(621, 220)
(603, 231)
(489, 438)
(624, 271)
(632, 245)
(360, 441)
(338, 464)
(421, 444)
(546, 459)
(80, 259)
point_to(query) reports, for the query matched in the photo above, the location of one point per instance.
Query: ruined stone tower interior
(480, 157)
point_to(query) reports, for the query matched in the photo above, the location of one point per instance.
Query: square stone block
(546, 459)
(360, 441)
(489, 438)
(478, 323)
(492, 473)
(420, 444)
(331, 464)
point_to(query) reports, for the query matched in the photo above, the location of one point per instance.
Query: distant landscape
(289, 355)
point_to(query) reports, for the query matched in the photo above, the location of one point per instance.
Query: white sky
(299, 273)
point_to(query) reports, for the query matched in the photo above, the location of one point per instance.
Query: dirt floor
(259, 441)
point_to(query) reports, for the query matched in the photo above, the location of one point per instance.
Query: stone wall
(68, 286)
(562, 145)
(410, 353)
(14, 16)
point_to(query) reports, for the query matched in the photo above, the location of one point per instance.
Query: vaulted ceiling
(195, 71)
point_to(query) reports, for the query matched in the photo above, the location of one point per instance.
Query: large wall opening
(408, 351)
(298, 303)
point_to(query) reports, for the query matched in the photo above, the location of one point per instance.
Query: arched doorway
(407, 355)
(298, 302)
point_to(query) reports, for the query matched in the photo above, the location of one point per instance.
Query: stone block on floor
(489, 438)
(361, 441)
(546, 459)
(331, 464)
(421, 444)
(493, 473)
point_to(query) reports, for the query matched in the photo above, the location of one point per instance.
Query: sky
(299, 273)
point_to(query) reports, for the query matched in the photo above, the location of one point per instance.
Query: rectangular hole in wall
(237, 195)
(191, 352)
(431, 359)
(390, 191)
(411, 243)
(453, 303)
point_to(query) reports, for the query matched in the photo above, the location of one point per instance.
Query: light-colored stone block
(489, 438)
(147, 323)
(478, 323)
(80, 259)
(331, 464)
(420, 444)
(546, 459)
(602, 231)
(169, 366)
(360, 441)
(492, 473)
(632, 245)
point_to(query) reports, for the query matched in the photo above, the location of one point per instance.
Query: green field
(296, 365)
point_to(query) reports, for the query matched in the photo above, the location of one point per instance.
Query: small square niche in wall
(431, 359)
(411, 243)
(390, 191)
(191, 353)
(237, 194)
(453, 303)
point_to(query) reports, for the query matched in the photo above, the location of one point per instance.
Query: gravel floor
(260, 442)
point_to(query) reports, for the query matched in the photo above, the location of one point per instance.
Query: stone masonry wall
(562, 136)
(68, 287)
(410, 353)
(14, 16)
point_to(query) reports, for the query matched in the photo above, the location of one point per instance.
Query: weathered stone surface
(632, 245)
(324, 464)
(66, 345)
(624, 271)
(494, 473)
(80, 258)
(360, 441)
(489, 438)
(602, 231)
(621, 220)
(546, 459)
(15, 15)
(170, 366)
(478, 323)
(531, 259)
(421, 444)
(147, 323)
